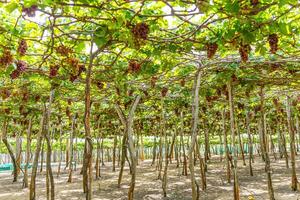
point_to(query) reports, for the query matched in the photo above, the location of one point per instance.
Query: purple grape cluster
(140, 31)
(21, 67)
(6, 58)
(22, 49)
(30, 11)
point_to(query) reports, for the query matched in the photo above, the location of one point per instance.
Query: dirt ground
(149, 188)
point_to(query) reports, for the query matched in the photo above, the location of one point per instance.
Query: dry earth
(149, 188)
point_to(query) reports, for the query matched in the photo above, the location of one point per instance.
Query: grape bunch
(234, 78)
(68, 112)
(140, 31)
(72, 78)
(145, 93)
(134, 66)
(210, 99)
(30, 11)
(5, 93)
(53, 70)
(182, 82)
(244, 51)
(6, 58)
(63, 50)
(211, 49)
(240, 105)
(22, 47)
(15, 74)
(25, 96)
(21, 67)
(276, 102)
(164, 91)
(254, 2)
(219, 92)
(273, 42)
(81, 68)
(130, 92)
(7, 110)
(37, 98)
(100, 85)
(153, 81)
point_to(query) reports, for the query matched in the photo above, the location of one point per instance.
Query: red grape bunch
(140, 31)
(254, 2)
(164, 91)
(134, 66)
(211, 50)
(30, 11)
(153, 81)
(21, 67)
(54, 70)
(5, 93)
(100, 85)
(63, 50)
(81, 69)
(273, 42)
(6, 58)
(244, 51)
(22, 47)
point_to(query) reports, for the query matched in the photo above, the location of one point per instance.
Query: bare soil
(148, 187)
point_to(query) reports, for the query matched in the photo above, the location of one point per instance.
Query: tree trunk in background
(227, 153)
(27, 159)
(250, 145)
(114, 153)
(67, 153)
(124, 149)
(47, 136)
(194, 131)
(264, 149)
(97, 167)
(285, 153)
(60, 147)
(137, 145)
(202, 171)
(42, 155)
(18, 151)
(206, 143)
(240, 143)
(160, 156)
(236, 188)
(142, 148)
(297, 131)
(119, 150)
(129, 131)
(102, 149)
(184, 167)
(172, 145)
(9, 148)
(164, 133)
(292, 144)
(71, 147)
(32, 193)
(279, 140)
(154, 151)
